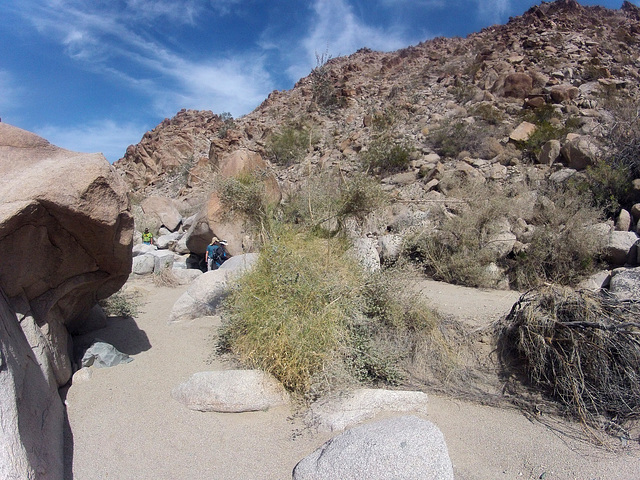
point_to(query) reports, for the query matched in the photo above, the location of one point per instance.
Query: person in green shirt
(147, 237)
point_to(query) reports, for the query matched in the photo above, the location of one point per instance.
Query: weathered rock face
(214, 219)
(65, 241)
(168, 146)
(31, 413)
(555, 67)
(164, 210)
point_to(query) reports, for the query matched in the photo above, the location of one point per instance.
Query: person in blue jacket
(215, 254)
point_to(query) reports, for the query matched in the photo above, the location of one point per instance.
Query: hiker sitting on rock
(147, 237)
(215, 254)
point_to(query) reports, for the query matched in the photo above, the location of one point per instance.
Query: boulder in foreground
(65, 243)
(406, 447)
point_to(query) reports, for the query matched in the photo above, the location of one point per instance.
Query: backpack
(219, 254)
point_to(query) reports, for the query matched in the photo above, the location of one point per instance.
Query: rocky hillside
(559, 54)
(532, 102)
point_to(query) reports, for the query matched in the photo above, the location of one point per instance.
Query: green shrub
(323, 89)
(289, 145)
(544, 132)
(456, 252)
(487, 113)
(610, 187)
(386, 155)
(565, 246)
(309, 315)
(548, 127)
(452, 137)
(244, 194)
(227, 124)
(289, 315)
(325, 201)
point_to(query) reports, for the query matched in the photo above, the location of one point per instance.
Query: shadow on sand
(121, 332)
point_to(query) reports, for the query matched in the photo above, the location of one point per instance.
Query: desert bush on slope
(326, 200)
(244, 194)
(386, 155)
(290, 144)
(563, 249)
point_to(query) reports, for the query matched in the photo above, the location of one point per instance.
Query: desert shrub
(487, 113)
(121, 304)
(178, 176)
(580, 350)
(165, 278)
(383, 121)
(288, 316)
(386, 155)
(463, 91)
(289, 145)
(244, 194)
(227, 124)
(325, 201)
(544, 132)
(548, 127)
(623, 135)
(609, 186)
(456, 251)
(565, 246)
(309, 315)
(452, 137)
(324, 92)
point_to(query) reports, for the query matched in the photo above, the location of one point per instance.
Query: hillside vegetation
(499, 160)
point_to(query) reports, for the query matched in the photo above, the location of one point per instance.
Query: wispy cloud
(106, 39)
(224, 7)
(105, 136)
(336, 29)
(493, 10)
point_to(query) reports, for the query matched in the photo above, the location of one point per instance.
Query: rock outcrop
(65, 241)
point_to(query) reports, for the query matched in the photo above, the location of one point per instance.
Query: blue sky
(94, 75)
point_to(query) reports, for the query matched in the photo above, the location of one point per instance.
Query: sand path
(125, 425)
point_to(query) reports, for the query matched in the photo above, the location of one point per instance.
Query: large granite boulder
(214, 219)
(402, 447)
(65, 243)
(163, 210)
(208, 290)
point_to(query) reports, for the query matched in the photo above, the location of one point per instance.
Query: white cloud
(338, 31)
(421, 3)
(235, 86)
(224, 7)
(106, 136)
(106, 39)
(493, 10)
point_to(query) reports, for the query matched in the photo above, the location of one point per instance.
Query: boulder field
(65, 243)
